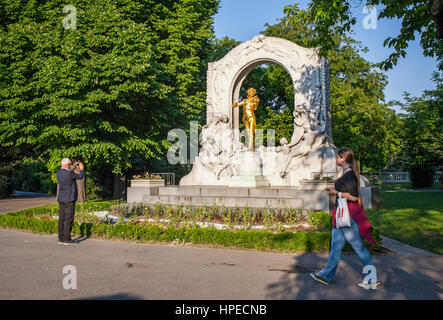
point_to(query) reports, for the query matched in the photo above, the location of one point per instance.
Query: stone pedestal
(143, 187)
(142, 183)
(250, 172)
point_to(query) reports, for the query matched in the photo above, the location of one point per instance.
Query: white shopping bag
(342, 217)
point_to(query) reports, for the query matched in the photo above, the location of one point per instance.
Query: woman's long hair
(349, 157)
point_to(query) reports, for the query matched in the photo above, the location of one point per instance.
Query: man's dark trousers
(65, 220)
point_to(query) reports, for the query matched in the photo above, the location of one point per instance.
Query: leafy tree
(333, 17)
(423, 126)
(360, 118)
(107, 91)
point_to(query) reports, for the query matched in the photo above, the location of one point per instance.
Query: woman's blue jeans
(339, 238)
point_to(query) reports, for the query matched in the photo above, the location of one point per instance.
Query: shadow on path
(403, 278)
(118, 296)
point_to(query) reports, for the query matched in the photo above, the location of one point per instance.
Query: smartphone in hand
(328, 189)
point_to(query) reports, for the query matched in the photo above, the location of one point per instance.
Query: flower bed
(272, 219)
(259, 240)
(146, 176)
(286, 230)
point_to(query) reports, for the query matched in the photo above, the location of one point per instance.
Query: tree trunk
(119, 187)
(437, 15)
(81, 189)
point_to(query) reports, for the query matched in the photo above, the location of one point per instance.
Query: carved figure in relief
(302, 141)
(212, 155)
(254, 44)
(219, 150)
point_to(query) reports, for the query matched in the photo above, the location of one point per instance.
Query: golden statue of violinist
(249, 104)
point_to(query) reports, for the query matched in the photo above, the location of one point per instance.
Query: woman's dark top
(347, 183)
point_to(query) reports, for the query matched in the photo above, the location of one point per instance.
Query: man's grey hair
(65, 162)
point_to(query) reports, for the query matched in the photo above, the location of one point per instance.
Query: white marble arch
(309, 72)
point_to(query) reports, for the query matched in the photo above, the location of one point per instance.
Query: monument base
(250, 172)
(249, 181)
(268, 197)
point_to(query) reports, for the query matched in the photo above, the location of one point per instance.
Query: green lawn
(403, 186)
(412, 218)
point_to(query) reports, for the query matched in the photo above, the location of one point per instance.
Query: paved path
(404, 249)
(31, 267)
(25, 200)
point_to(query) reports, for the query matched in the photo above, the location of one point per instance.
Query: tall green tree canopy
(109, 89)
(423, 126)
(360, 118)
(335, 17)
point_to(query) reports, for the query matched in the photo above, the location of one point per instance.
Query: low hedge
(422, 176)
(260, 240)
(53, 209)
(6, 186)
(251, 239)
(4, 183)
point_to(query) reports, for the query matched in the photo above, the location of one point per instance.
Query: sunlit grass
(412, 218)
(403, 186)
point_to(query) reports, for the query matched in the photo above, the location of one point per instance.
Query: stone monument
(229, 173)
(225, 161)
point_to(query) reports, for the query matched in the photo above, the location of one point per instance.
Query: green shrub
(99, 183)
(7, 171)
(32, 175)
(321, 220)
(92, 206)
(50, 209)
(422, 176)
(46, 183)
(31, 224)
(93, 191)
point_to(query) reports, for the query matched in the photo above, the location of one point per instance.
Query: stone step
(251, 202)
(276, 197)
(232, 192)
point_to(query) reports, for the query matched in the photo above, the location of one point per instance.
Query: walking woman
(349, 186)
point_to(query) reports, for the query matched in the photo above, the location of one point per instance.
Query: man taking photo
(66, 198)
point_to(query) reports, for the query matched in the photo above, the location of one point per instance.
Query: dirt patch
(432, 234)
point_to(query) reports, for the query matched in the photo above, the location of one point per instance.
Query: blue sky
(244, 19)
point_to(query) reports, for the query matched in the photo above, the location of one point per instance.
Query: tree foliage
(108, 91)
(360, 118)
(333, 17)
(423, 126)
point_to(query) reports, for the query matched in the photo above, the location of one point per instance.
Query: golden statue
(249, 104)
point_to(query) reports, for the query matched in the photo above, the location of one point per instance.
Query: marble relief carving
(310, 148)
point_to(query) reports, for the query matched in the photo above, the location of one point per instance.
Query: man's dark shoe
(320, 279)
(69, 242)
